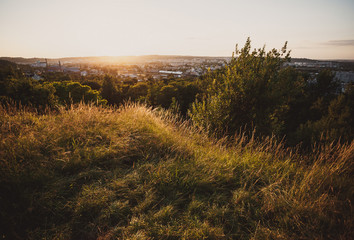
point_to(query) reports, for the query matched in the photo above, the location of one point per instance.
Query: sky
(316, 29)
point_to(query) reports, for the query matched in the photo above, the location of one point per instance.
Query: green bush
(73, 92)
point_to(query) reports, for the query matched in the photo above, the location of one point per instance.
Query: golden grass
(89, 172)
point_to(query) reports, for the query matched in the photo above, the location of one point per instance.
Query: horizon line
(171, 55)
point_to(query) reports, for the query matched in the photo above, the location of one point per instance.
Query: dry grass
(90, 172)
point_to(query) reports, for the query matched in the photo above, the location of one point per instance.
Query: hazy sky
(318, 29)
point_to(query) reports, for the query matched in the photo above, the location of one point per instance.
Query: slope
(90, 172)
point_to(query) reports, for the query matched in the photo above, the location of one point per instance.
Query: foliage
(73, 92)
(16, 87)
(138, 91)
(27, 91)
(245, 94)
(110, 92)
(255, 92)
(94, 85)
(335, 124)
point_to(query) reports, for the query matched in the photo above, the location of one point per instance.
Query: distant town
(159, 67)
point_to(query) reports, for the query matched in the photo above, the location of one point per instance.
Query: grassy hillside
(137, 173)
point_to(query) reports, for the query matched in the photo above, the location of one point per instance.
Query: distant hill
(314, 60)
(108, 59)
(5, 63)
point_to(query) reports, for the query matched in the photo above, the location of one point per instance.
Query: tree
(109, 91)
(73, 92)
(322, 92)
(138, 91)
(242, 94)
(337, 124)
(164, 97)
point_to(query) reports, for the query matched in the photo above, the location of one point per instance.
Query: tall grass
(90, 172)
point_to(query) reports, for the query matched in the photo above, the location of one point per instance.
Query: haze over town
(316, 29)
